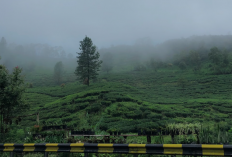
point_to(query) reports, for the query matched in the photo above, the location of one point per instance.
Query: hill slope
(133, 100)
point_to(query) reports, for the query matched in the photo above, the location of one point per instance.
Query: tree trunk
(88, 71)
(1, 127)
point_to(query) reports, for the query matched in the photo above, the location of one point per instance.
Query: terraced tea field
(132, 100)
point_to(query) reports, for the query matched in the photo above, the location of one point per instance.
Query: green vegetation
(190, 93)
(130, 101)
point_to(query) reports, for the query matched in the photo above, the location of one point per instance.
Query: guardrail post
(125, 138)
(148, 139)
(106, 138)
(198, 140)
(172, 135)
(46, 154)
(11, 154)
(86, 154)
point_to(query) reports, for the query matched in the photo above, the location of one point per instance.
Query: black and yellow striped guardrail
(161, 149)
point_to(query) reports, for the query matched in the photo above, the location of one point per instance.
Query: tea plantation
(131, 100)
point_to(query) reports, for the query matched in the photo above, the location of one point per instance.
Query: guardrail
(158, 149)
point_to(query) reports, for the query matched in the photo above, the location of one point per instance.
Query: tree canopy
(88, 61)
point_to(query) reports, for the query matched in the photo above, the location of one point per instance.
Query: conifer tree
(88, 61)
(12, 98)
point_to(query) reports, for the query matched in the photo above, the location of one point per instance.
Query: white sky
(111, 22)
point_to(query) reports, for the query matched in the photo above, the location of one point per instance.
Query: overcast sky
(111, 22)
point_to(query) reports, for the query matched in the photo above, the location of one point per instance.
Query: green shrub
(169, 114)
(154, 116)
(106, 103)
(83, 105)
(95, 107)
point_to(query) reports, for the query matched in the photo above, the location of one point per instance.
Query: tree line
(218, 61)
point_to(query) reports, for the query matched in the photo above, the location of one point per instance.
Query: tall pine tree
(88, 61)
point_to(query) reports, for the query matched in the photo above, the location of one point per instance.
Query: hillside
(134, 100)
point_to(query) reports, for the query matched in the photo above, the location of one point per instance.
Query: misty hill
(202, 44)
(168, 49)
(129, 57)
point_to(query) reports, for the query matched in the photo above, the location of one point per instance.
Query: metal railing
(158, 149)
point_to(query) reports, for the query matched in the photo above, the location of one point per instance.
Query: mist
(41, 33)
(111, 22)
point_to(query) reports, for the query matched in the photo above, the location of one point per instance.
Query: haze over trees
(186, 53)
(29, 56)
(107, 64)
(220, 61)
(88, 61)
(58, 72)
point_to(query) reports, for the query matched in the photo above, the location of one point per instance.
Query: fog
(53, 29)
(65, 23)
